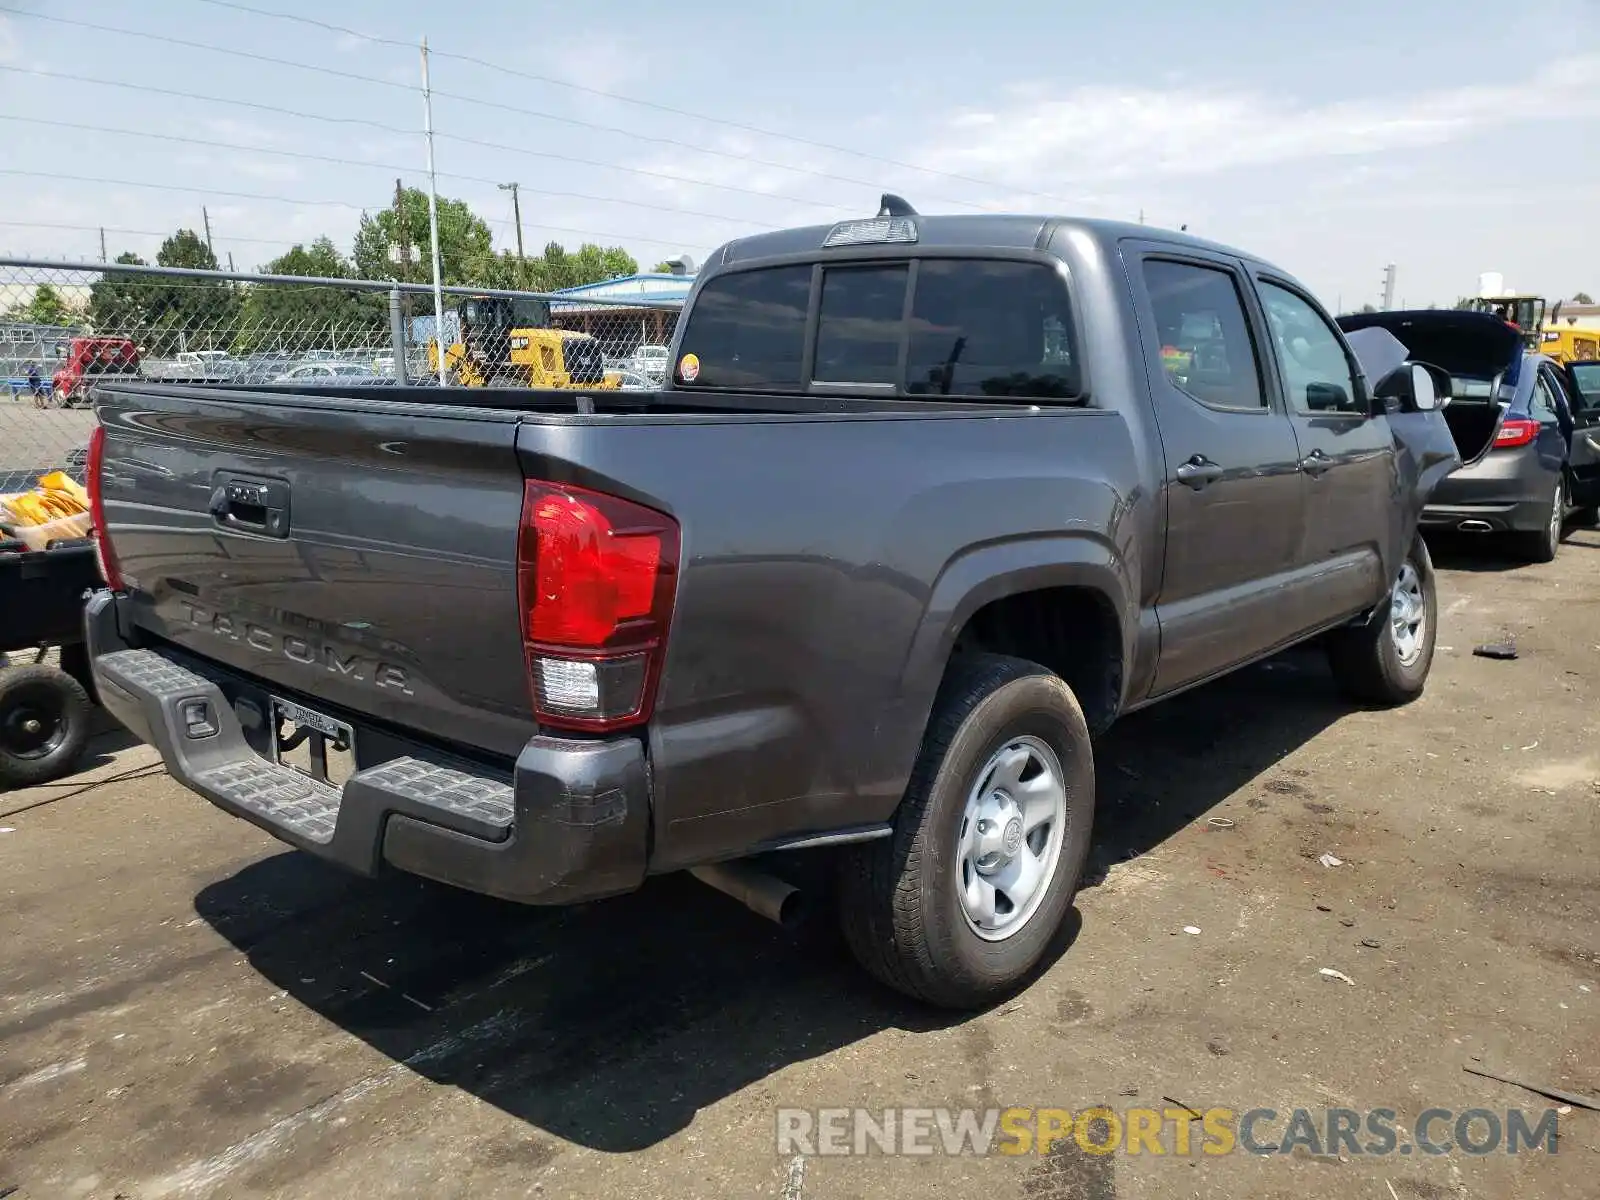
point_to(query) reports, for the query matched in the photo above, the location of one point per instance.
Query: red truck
(83, 358)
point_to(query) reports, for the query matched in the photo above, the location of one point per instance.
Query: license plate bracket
(311, 743)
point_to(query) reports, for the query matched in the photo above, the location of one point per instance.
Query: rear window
(861, 319)
(749, 329)
(990, 329)
(976, 328)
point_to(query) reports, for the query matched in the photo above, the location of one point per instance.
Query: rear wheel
(1542, 545)
(1587, 517)
(1386, 661)
(959, 907)
(44, 724)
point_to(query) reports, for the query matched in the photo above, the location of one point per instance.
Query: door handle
(1315, 463)
(251, 506)
(1198, 472)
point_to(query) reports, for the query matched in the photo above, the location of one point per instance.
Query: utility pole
(230, 260)
(516, 212)
(102, 243)
(206, 217)
(1388, 287)
(433, 219)
(1141, 216)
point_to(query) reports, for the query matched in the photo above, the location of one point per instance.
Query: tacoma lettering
(387, 675)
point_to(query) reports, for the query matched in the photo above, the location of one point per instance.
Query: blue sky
(1447, 138)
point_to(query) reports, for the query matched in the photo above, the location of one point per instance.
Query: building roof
(647, 290)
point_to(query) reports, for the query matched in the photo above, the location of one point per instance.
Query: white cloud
(10, 45)
(265, 168)
(1047, 138)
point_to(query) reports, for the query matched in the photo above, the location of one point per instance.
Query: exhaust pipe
(1475, 527)
(767, 895)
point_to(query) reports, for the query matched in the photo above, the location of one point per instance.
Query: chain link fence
(65, 327)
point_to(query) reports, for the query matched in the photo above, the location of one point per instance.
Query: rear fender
(991, 572)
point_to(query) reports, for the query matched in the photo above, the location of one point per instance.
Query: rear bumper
(1520, 516)
(571, 823)
(1505, 491)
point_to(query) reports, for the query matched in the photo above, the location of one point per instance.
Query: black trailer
(45, 710)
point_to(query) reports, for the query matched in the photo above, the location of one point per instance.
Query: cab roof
(975, 231)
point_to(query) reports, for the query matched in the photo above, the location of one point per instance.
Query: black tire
(44, 724)
(1368, 664)
(899, 905)
(1587, 517)
(1542, 545)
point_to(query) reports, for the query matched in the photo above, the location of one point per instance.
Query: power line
(681, 145)
(351, 162)
(403, 132)
(99, 81)
(202, 191)
(657, 106)
(207, 47)
(493, 104)
(160, 233)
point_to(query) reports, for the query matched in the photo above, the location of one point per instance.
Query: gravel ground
(186, 1009)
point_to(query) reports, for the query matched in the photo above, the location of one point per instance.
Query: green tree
(166, 315)
(44, 307)
(665, 267)
(1581, 298)
(556, 268)
(190, 314)
(466, 247)
(119, 303)
(284, 316)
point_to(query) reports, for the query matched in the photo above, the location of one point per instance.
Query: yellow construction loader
(511, 343)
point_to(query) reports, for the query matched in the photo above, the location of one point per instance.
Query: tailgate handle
(259, 506)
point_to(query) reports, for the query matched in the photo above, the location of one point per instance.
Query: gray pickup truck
(924, 504)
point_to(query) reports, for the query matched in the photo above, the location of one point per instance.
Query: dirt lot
(188, 1010)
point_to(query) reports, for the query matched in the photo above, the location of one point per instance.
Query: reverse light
(104, 555)
(596, 577)
(1516, 431)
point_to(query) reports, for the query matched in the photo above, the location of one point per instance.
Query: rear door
(1234, 493)
(353, 555)
(1580, 384)
(1347, 456)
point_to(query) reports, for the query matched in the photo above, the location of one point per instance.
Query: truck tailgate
(357, 552)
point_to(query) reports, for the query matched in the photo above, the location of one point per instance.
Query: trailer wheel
(44, 724)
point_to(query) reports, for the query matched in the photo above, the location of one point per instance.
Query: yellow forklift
(511, 343)
(1527, 313)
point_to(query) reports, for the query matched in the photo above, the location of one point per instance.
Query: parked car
(633, 381)
(1527, 436)
(928, 502)
(325, 371)
(649, 361)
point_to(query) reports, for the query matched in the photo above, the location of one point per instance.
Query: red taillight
(595, 576)
(1516, 431)
(104, 554)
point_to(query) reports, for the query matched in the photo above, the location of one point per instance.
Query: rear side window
(1206, 348)
(748, 329)
(997, 329)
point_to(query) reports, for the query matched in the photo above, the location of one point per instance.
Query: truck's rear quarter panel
(807, 637)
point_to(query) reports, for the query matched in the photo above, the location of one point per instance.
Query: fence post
(397, 335)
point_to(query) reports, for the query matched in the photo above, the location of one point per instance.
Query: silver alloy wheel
(1012, 831)
(1556, 514)
(1408, 615)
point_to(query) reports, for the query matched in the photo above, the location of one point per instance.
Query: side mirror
(1413, 387)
